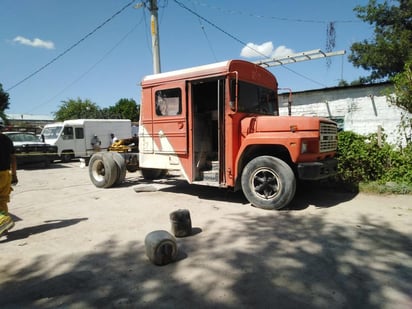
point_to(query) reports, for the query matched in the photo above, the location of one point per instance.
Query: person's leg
(6, 222)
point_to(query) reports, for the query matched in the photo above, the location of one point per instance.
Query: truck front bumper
(317, 170)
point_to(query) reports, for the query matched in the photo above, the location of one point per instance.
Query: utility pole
(155, 36)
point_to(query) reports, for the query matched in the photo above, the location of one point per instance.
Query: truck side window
(68, 133)
(168, 102)
(79, 133)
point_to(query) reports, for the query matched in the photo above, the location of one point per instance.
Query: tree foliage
(123, 109)
(77, 109)
(4, 101)
(403, 88)
(391, 47)
(85, 109)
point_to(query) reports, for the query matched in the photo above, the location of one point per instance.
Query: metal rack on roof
(298, 57)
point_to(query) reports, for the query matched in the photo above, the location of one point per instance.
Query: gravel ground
(77, 246)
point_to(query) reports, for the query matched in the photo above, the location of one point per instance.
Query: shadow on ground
(284, 261)
(318, 194)
(47, 226)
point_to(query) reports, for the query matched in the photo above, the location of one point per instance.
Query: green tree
(403, 88)
(4, 102)
(77, 109)
(402, 97)
(391, 47)
(123, 109)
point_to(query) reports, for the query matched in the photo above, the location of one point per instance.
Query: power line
(218, 28)
(285, 19)
(92, 67)
(206, 37)
(241, 42)
(71, 47)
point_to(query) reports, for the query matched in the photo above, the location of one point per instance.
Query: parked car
(31, 149)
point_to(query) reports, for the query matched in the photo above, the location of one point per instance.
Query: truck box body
(74, 137)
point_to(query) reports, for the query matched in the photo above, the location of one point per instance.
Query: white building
(363, 109)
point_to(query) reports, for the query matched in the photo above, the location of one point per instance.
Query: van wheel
(67, 156)
(103, 170)
(121, 165)
(153, 173)
(268, 183)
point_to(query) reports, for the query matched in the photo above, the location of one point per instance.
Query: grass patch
(385, 188)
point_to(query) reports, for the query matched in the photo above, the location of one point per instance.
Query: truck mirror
(233, 90)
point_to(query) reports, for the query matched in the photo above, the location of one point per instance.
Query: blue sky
(110, 62)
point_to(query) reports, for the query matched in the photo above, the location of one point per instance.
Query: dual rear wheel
(107, 169)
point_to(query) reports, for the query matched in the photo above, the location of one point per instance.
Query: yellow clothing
(5, 190)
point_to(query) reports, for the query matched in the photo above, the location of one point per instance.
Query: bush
(362, 159)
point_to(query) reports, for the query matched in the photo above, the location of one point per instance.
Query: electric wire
(209, 43)
(72, 46)
(285, 19)
(218, 28)
(81, 76)
(243, 43)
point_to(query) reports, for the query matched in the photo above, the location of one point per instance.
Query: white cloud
(34, 43)
(265, 50)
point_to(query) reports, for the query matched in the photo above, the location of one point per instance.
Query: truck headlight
(304, 147)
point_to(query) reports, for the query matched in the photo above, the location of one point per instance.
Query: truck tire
(67, 156)
(132, 163)
(153, 173)
(103, 170)
(160, 247)
(268, 183)
(121, 165)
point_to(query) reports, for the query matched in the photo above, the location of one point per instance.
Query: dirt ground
(77, 246)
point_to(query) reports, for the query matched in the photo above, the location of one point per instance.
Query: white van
(77, 138)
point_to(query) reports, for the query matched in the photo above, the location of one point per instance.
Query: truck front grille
(328, 137)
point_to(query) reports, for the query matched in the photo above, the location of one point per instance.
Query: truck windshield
(51, 132)
(256, 99)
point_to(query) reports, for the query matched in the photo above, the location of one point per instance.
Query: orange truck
(219, 125)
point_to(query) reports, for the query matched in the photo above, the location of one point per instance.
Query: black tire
(160, 247)
(46, 163)
(153, 173)
(268, 183)
(103, 170)
(121, 165)
(67, 156)
(133, 163)
(132, 168)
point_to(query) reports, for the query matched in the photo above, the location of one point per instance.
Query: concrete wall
(361, 109)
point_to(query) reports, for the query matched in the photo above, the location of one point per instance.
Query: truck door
(170, 119)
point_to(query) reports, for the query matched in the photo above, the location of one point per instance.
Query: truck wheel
(153, 173)
(133, 164)
(67, 156)
(268, 183)
(160, 247)
(121, 165)
(103, 170)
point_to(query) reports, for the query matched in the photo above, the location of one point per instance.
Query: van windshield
(52, 132)
(256, 99)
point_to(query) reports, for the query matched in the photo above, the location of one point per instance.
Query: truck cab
(219, 125)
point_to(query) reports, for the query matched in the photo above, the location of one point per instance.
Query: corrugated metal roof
(30, 117)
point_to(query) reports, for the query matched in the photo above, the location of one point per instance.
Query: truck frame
(219, 125)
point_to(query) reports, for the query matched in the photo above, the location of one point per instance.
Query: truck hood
(280, 124)
(51, 141)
